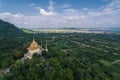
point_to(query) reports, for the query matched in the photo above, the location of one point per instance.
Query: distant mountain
(9, 30)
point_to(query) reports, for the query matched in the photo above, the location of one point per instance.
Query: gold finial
(34, 45)
(41, 42)
(33, 40)
(46, 46)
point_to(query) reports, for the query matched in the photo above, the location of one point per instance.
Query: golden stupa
(33, 46)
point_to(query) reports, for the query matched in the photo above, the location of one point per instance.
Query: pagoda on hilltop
(34, 48)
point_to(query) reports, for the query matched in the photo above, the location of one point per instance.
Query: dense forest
(71, 56)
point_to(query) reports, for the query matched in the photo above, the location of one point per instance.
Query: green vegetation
(71, 56)
(27, 30)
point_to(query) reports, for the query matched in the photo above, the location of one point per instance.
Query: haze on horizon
(61, 13)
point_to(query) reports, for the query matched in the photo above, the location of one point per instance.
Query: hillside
(74, 56)
(9, 30)
(70, 56)
(12, 40)
(10, 36)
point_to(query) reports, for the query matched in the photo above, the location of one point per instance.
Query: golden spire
(33, 40)
(46, 46)
(33, 46)
(41, 42)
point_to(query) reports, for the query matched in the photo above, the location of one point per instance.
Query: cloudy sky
(61, 13)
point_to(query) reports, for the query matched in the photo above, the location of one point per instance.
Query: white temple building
(34, 48)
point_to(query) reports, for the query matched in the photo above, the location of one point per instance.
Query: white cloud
(17, 19)
(43, 12)
(5, 15)
(65, 5)
(71, 11)
(74, 18)
(107, 16)
(51, 5)
(32, 4)
(85, 9)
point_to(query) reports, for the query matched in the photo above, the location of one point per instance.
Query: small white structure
(33, 48)
(46, 47)
(6, 70)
